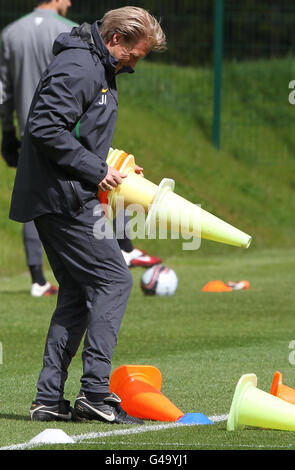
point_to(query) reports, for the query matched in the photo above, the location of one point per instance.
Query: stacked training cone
(164, 208)
(139, 388)
(254, 407)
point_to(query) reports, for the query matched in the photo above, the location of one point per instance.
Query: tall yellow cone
(254, 407)
(166, 209)
(139, 388)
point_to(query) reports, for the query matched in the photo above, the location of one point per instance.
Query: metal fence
(203, 33)
(252, 28)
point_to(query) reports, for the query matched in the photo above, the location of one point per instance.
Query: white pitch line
(201, 444)
(118, 432)
(141, 429)
(218, 418)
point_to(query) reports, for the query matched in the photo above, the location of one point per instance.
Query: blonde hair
(133, 23)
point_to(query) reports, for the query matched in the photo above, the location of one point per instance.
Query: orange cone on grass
(216, 286)
(221, 286)
(164, 208)
(139, 387)
(280, 390)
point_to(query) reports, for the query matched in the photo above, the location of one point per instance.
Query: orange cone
(216, 286)
(139, 388)
(220, 286)
(280, 390)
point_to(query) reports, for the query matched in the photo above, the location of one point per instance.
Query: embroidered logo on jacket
(103, 98)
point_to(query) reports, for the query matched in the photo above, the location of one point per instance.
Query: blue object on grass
(194, 418)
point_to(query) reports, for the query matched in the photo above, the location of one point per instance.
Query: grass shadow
(17, 292)
(14, 417)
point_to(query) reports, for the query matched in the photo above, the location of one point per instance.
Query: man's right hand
(112, 179)
(9, 148)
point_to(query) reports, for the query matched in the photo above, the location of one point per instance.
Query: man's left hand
(10, 147)
(138, 170)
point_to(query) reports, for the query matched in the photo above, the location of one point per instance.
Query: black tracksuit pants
(32, 244)
(94, 287)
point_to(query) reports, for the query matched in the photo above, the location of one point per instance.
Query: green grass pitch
(201, 342)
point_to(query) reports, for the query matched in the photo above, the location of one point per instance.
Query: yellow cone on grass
(164, 208)
(254, 407)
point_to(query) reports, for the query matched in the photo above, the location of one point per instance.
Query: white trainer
(39, 291)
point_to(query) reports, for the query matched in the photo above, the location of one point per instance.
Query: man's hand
(9, 148)
(112, 179)
(138, 170)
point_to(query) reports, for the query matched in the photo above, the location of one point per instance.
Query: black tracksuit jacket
(69, 129)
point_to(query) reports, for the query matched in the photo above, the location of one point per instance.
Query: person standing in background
(26, 51)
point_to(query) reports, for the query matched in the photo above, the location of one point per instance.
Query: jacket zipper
(71, 183)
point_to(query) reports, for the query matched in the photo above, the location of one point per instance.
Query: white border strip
(119, 432)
